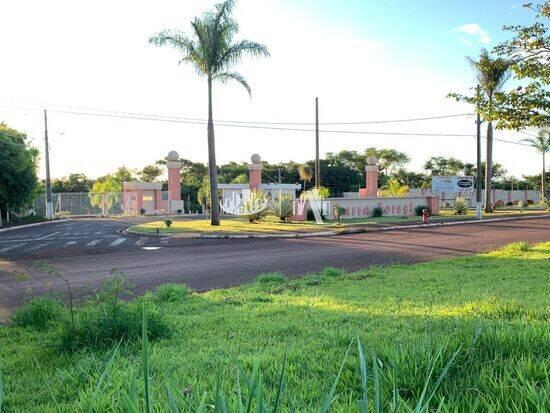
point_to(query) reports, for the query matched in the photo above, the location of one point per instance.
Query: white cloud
(474, 30)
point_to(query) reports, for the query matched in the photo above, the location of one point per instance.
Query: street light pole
(479, 205)
(317, 162)
(49, 205)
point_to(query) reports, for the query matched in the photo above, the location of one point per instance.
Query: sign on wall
(452, 183)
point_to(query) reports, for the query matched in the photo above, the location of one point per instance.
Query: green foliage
(516, 247)
(420, 208)
(545, 203)
(332, 272)
(18, 162)
(323, 192)
(282, 346)
(168, 223)
(271, 277)
(171, 293)
(377, 212)
(150, 173)
(39, 313)
(282, 207)
(461, 206)
(389, 160)
(71, 183)
(103, 325)
(528, 104)
(339, 211)
(394, 188)
(256, 206)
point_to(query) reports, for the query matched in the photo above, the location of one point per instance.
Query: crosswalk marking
(94, 242)
(48, 236)
(37, 246)
(68, 244)
(117, 241)
(5, 249)
(141, 241)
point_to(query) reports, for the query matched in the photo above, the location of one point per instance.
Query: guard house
(230, 192)
(148, 196)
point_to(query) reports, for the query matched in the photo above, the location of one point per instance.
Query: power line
(173, 119)
(139, 115)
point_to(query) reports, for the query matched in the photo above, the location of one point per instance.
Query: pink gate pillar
(371, 181)
(255, 172)
(174, 182)
(433, 204)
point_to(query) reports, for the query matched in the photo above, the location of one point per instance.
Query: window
(147, 197)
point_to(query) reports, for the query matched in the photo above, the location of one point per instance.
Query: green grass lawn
(272, 225)
(492, 308)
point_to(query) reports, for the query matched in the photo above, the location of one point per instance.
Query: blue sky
(366, 60)
(422, 30)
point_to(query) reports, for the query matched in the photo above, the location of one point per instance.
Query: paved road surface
(205, 264)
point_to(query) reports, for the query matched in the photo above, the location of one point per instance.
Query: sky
(364, 60)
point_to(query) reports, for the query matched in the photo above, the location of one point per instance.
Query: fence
(82, 203)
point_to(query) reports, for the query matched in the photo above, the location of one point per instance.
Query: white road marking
(37, 246)
(141, 241)
(68, 244)
(5, 249)
(164, 241)
(97, 233)
(48, 236)
(93, 243)
(117, 241)
(151, 248)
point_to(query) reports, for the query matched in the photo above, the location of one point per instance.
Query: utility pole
(49, 205)
(479, 205)
(317, 162)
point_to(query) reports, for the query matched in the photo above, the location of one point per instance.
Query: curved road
(85, 251)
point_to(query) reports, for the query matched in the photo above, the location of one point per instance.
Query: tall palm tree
(491, 75)
(212, 52)
(542, 144)
(305, 174)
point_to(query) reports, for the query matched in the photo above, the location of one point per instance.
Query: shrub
(98, 326)
(332, 272)
(545, 203)
(516, 247)
(168, 223)
(394, 188)
(377, 212)
(39, 313)
(179, 211)
(523, 205)
(282, 207)
(445, 205)
(461, 206)
(142, 211)
(339, 211)
(171, 293)
(270, 277)
(420, 208)
(256, 206)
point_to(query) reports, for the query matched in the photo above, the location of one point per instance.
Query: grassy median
(272, 225)
(492, 309)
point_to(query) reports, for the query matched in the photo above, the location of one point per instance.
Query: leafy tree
(542, 144)
(72, 183)
(529, 50)
(388, 159)
(192, 176)
(440, 165)
(150, 173)
(212, 51)
(492, 74)
(18, 162)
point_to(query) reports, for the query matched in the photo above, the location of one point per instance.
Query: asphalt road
(86, 251)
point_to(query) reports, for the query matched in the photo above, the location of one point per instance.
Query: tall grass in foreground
(250, 391)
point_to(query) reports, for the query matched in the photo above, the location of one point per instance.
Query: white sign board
(452, 183)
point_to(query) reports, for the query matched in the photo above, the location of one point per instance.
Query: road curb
(35, 224)
(334, 233)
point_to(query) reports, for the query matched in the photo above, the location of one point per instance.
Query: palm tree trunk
(489, 168)
(212, 170)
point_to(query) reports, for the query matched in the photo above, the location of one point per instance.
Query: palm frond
(236, 52)
(226, 76)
